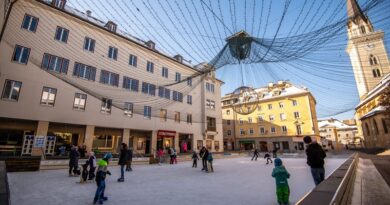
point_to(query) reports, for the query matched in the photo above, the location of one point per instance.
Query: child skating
(195, 159)
(268, 157)
(101, 179)
(282, 189)
(210, 162)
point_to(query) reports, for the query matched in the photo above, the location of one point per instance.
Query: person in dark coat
(74, 161)
(129, 160)
(205, 155)
(255, 154)
(122, 161)
(268, 157)
(92, 165)
(195, 159)
(315, 159)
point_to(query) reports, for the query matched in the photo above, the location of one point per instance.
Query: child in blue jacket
(281, 175)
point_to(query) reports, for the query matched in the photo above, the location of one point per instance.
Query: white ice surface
(235, 181)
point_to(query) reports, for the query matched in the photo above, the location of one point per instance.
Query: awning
(166, 133)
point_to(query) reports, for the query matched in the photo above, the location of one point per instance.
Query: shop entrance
(165, 139)
(185, 141)
(263, 146)
(247, 145)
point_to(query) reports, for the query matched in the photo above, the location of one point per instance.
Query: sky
(197, 29)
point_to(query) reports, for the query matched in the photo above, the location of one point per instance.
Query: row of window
(259, 108)
(60, 65)
(271, 118)
(12, 89)
(263, 130)
(374, 128)
(30, 23)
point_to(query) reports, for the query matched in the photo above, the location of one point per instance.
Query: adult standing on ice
(315, 159)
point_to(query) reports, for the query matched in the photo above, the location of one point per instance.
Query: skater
(129, 160)
(281, 175)
(204, 156)
(174, 159)
(84, 172)
(255, 154)
(315, 159)
(195, 159)
(170, 152)
(74, 162)
(122, 161)
(268, 157)
(160, 154)
(92, 165)
(210, 161)
(100, 179)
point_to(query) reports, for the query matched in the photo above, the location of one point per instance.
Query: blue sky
(197, 31)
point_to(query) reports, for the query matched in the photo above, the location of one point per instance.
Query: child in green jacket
(281, 175)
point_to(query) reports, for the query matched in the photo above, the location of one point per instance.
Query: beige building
(66, 74)
(371, 68)
(334, 132)
(277, 116)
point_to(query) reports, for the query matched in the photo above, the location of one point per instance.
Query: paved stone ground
(235, 181)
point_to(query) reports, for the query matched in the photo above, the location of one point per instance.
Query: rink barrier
(337, 188)
(4, 188)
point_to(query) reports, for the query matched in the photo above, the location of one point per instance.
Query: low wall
(4, 190)
(337, 188)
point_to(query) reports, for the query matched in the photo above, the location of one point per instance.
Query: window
(299, 129)
(211, 124)
(212, 104)
(30, 23)
(281, 105)
(273, 130)
(229, 132)
(48, 96)
(130, 84)
(208, 103)
(84, 71)
(178, 77)
(89, 44)
(375, 127)
(147, 112)
(109, 78)
(163, 115)
(11, 90)
(59, 3)
(251, 131)
(284, 129)
(249, 119)
(373, 60)
(296, 115)
(21, 54)
(150, 67)
(177, 96)
(112, 52)
(367, 129)
(148, 88)
(384, 126)
(164, 92)
(164, 72)
(177, 117)
(61, 34)
(283, 116)
(79, 101)
(189, 81)
(210, 87)
(242, 132)
(128, 109)
(133, 60)
(363, 29)
(106, 105)
(241, 121)
(227, 112)
(260, 118)
(271, 117)
(376, 73)
(269, 106)
(189, 99)
(262, 130)
(228, 122)
(55, 63)
(294, 103)
(189, 119)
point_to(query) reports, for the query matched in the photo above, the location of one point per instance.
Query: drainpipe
(6, 19)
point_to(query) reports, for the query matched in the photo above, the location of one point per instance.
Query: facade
(334, 132)
(371, 67)
(279, 116)
(68, 78)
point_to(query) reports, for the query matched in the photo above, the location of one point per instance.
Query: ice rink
(235, 181)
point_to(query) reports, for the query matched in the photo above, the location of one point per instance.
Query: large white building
(66, 74)
(334, 132)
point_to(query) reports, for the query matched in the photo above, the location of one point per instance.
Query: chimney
(59, 3)
(178, 58)
(89, 13)
(150, 44)
(111, 26)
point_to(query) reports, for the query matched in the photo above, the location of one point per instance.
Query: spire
(354, 10)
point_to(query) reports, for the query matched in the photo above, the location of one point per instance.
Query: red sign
(166, 133)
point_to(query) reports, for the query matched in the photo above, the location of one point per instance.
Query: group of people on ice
(207, 160)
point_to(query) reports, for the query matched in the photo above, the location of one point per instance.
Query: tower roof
(354, 10)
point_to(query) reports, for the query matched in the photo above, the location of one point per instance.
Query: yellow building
(370, 63)
(276, 116)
